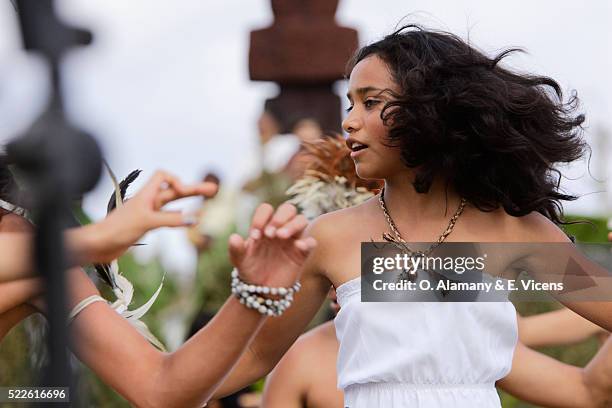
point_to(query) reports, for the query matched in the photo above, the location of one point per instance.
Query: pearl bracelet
(252, 296)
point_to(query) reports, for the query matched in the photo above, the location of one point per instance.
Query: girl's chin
(367, 172)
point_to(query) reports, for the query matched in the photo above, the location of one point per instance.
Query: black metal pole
(59, 163)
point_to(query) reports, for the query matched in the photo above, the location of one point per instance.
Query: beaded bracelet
(253, 296)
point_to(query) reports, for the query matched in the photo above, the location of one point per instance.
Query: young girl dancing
(467, 150)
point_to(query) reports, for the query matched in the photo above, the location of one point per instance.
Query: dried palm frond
(317, 195)
(330, 157)
(330, 181)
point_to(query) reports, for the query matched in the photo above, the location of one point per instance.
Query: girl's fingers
(260, 219)
(172, 219)
(283, 214)
(237, 249)
(206, 189)
(164, 197)
(170, 182)
(294, 227)
(161, 180)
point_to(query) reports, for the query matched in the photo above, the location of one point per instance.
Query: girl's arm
(123, 359)
(107, 240)
(277, 335)
(187, 377)
(544, 381)
(587, 285)
(559, 327)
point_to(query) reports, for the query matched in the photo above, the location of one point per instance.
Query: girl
(466, 149)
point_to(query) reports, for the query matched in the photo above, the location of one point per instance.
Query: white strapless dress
(422, 354)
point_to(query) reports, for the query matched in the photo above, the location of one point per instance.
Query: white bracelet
(253, 296)
(82, 305)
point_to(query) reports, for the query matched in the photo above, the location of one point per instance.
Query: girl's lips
(356, 153)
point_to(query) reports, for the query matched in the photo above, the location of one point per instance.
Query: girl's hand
(110, 238)
(274, 252)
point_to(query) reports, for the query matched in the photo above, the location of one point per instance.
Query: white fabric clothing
(422, 354)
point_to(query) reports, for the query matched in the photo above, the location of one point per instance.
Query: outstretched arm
(587, 287)
(146, 377)
(544, 381)
(107, 240)
(559, 327)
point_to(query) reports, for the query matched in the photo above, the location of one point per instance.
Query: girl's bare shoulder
(339, 224)
(533, 227)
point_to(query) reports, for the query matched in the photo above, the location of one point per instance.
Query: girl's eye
(369, 103)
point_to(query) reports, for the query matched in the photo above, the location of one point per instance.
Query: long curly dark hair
(494, 135)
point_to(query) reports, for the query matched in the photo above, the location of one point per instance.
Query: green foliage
(14, 354)
(593, 230)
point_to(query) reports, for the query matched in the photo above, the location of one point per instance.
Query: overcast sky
(165, 85)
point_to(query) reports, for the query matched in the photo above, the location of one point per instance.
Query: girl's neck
(408, 208)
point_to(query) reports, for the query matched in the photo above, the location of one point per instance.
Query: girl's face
(370, 87)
